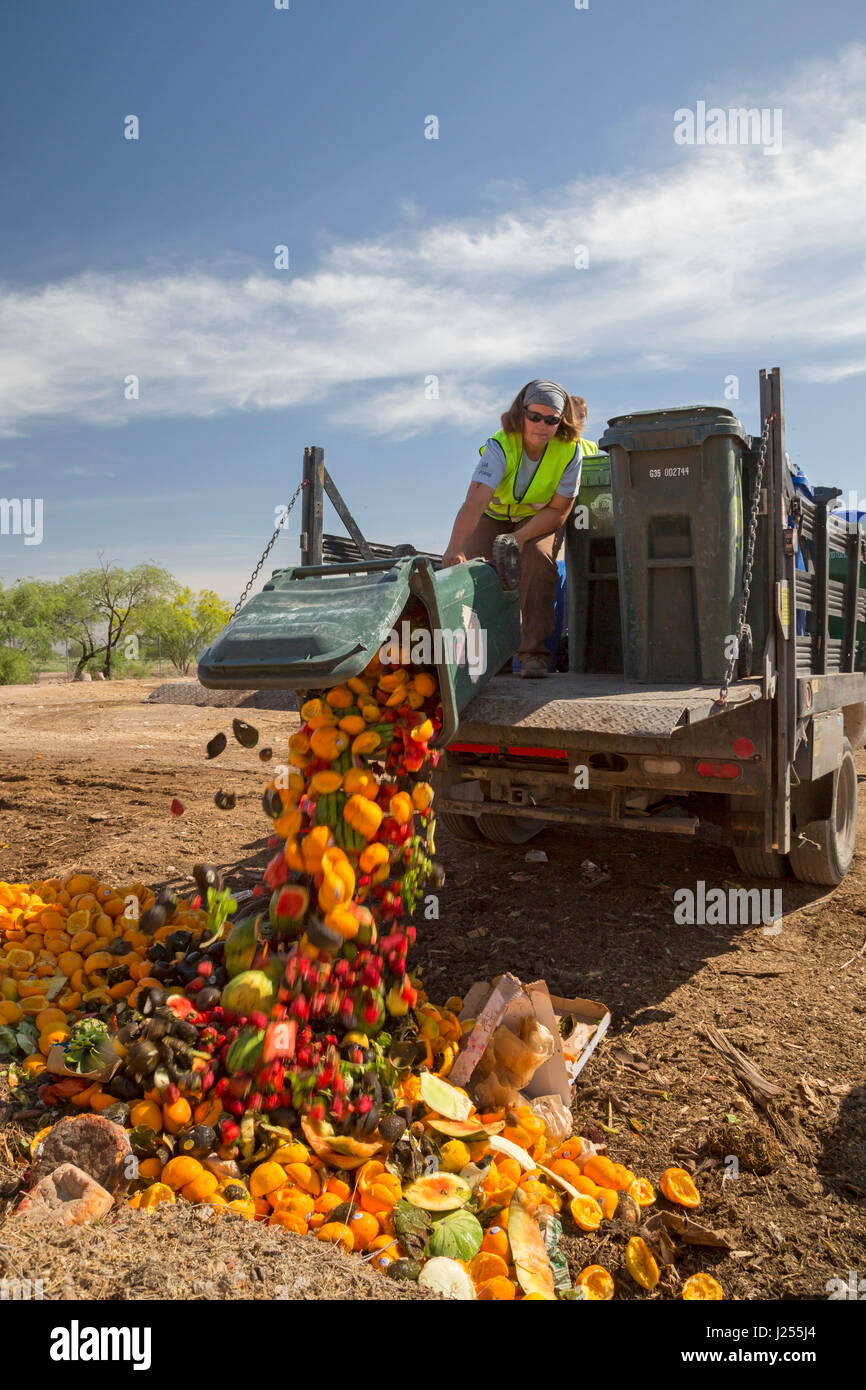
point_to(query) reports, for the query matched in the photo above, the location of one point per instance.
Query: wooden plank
(311, 533)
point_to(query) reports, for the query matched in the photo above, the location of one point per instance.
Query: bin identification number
(681, 472)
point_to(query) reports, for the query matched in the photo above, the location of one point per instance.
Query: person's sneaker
(533, 669)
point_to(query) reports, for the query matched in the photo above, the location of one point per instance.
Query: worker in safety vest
(526, 483)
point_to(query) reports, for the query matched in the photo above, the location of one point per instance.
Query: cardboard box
(510, 1001)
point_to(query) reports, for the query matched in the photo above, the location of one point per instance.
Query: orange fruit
(54, 1035)
(586, 1212)
(145, 1112)
(293, 1199)
(608, 1200)
(643, 1192)
(289, 1220)
(180, 1171)
(149, 1168)
(495, 1242)
(267, 1177)
(203, 1185)
(677, 1185)
(597, 1282)
(176, 1115)
(302, 1175)
(702, 1286)
(601, 1170)
(48, 1018)
(641, 1264)
(327, 1202)
(498, 1288)
(336, 1234)
(364, 1228)
(508, 1169)
(565, 1168)
(339, 1188)
(153, 1195)
(486, 1266)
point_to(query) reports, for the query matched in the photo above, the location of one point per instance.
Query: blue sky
(409, 257)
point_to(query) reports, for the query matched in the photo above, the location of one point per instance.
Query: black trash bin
(677, 480)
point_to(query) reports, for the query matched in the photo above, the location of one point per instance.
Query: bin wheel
(506, 560)
(509, 830)
(746, 656)
(828, 857)
(761, 863)
(461, 827)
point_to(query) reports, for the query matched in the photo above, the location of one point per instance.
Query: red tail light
(724, 770)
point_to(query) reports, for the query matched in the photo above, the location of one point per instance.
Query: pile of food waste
(280, 1060)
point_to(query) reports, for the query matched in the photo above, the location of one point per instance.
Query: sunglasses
(534, 416)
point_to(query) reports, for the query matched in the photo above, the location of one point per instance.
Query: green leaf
(413, 1226)
(733, 1119)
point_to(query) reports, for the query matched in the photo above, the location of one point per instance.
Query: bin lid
(668, 429)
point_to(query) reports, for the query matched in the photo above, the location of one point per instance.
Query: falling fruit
(266, 754)
(245, 734)
(225, 800)
(216, 745)
(177, 807)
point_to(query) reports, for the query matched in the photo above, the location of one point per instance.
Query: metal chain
(268, 548)
(749, 558)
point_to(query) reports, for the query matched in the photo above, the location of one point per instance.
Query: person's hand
(453, 557)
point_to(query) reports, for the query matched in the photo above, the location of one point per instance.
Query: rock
(99, 675)
(93, 1144)
(85, 676)
(68, 1195)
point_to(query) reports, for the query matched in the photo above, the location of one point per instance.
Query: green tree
(187, 622)
(99, 607)
(29, 616)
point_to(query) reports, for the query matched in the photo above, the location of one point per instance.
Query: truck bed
(572, 703)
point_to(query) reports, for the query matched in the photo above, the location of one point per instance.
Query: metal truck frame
(769, 760)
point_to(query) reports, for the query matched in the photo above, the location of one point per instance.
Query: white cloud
(717, 251)
(82, 471)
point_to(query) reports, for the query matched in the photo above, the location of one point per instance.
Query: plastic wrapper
(556, 1118)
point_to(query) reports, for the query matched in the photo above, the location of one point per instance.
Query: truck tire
(461, 827)
(509, 830)
(828, 858)
(762, 863)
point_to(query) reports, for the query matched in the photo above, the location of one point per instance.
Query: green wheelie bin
(314, 627)
(677, 483)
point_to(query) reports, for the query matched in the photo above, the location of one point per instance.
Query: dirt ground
(87, 774)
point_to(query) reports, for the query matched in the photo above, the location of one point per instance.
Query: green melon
(251, 991)
(241, 944)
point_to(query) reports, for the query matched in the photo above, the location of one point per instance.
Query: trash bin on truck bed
(678, 520)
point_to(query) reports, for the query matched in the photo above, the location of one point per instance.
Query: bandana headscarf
(546, 393)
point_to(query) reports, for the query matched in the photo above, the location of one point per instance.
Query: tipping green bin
(678, 518)
(591, 579)
(316, 626)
